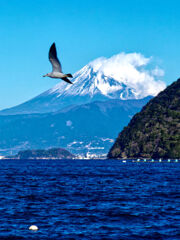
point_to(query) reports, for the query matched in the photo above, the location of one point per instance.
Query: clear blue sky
(83, 30)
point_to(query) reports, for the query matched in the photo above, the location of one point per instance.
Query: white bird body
(56, 66)
(55, 75)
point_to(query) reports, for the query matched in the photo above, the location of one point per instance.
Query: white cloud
(132, 69)
(125, 76)
(158, 72)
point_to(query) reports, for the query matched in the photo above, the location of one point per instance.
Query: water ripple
(89, 200)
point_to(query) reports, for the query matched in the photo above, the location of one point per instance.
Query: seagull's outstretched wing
(66, 80)
(53, 59)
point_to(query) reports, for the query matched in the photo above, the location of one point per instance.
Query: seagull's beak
(44, 75)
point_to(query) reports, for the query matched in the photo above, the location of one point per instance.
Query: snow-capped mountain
(119, 77)
(123, 76)
(87, 115)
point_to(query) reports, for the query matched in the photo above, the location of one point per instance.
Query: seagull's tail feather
(69, 75)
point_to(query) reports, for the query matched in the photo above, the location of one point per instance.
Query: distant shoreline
(94, 159)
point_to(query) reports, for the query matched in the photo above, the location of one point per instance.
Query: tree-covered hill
(39, 153)
(155, 131)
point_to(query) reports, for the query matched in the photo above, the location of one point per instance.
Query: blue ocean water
(89, 199)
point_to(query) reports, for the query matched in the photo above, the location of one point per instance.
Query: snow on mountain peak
(124, 76)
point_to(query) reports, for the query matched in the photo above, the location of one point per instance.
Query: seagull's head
(46, 75)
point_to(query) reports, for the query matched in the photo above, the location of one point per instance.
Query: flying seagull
(56, 66)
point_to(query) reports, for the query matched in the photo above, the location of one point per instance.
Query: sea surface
(89, 199)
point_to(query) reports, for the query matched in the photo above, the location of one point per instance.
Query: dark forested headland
(155, 131)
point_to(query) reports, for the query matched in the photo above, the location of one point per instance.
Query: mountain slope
(155, 131)
(122, 76)
(88, 127)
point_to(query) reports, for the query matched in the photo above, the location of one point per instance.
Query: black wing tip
(53, 45)
(52, 51)
(66, 80)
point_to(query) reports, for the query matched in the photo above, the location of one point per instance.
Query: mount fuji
(123, 76)
(87, 115)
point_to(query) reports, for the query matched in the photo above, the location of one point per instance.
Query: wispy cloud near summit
(132, 69)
